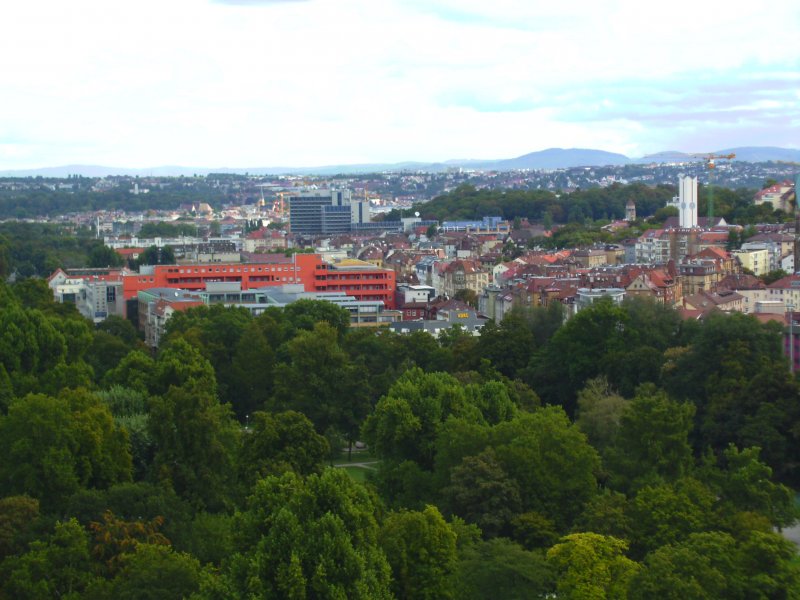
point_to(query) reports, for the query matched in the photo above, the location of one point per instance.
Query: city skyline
(237, 83)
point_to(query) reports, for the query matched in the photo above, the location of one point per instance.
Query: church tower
(630, 211)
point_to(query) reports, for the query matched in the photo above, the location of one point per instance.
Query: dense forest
(622, 454)
(580, 206)
(42, 202)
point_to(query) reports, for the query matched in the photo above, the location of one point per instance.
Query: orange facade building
(361, 280)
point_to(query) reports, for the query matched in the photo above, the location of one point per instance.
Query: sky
(265, 83)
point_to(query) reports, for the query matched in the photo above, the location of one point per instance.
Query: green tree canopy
(421, 550)
(312, 537)
(55, 446)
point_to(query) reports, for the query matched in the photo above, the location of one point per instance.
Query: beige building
(787, 291)
(590, 258)
(463, 274)
(755, 261)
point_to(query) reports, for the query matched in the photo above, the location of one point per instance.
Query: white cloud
(305, 82)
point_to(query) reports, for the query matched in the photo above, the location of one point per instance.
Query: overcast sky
(256, 83)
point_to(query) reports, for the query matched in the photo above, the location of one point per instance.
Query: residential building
(462, 274)
(757, 261)
(753, 291)
(724, 300)
(781, 196)
(787, 291)
(657, 285)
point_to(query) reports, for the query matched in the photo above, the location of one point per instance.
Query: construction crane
(709, 158)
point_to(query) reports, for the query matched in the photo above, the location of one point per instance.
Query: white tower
(687, 201)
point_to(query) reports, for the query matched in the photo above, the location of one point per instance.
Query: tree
(18, 517)
(135, 371)
(105, 353)
(154, 572)
(113, 538)
(508, 346)
(57, 567)
(600, 412)
(703, 567)
(154, 255)
(101, 256)
(467, 295)
(195, 438)
(276, 443)
(120, 328)
(252, 370)
(716, 565)
(746, 483)
(481, 492)
(652, 442)
(321, 382)
(182, 364)
(590, 566)
(305, 314)
(499, 568)
(774, 276)
(606, 514)
(312, 537)
(551, 462)
(405, 422)
(669, 513)
(421, 550)
(55, 446)
(591, 334)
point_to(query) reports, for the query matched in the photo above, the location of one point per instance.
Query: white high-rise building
(687, 196)
(686, 202)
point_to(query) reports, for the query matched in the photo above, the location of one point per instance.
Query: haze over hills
(552, 158)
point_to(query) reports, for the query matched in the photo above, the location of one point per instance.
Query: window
(111, 294)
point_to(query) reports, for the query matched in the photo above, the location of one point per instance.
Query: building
(724, 300)
(755, 260)
(357, 278)
(656, 285)
(630, 211)
(324, 212)
(698, 275)
(591, 258)
(156, 306)
(462, 275)
(96, 293)
(486, 226)
(787, 291)
(272, 269)
(448, 315)
(755, 295)
(781, 196)
(686, 202)
(588, 296)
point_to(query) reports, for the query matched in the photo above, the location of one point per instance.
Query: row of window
(234, 269)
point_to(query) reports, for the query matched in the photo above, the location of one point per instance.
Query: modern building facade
(356, 278)
(323, 212)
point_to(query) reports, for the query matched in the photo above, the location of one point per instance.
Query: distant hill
(557, 158)
(668, 156)
(763, 153)
(744, 154)
(552, 158)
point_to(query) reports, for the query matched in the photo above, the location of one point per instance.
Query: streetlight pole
(790, 306)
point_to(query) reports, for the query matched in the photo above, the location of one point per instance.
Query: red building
(361, 280)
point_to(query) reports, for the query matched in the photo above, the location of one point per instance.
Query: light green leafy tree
(309, 538)
(421, 549)
(590, 566)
